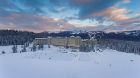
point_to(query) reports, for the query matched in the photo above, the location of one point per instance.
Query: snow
(56, 62)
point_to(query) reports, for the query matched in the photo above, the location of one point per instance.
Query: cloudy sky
(56, 15)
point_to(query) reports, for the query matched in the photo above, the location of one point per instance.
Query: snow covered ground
(58, 62)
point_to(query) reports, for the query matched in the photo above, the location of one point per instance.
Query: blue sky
(55, 15)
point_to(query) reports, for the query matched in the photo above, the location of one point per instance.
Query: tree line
(120, 45)
(15, 37)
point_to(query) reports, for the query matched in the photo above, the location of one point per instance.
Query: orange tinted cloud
(33, 23)
(115, 14)
(119, 14)
(126, 1)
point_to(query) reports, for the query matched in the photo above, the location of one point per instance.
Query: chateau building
(64, 41)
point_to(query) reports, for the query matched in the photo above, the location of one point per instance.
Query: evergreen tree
(34, 48)
(3, 52)
(49, 46)
(14, 49)
(24, 49)
(40, 47)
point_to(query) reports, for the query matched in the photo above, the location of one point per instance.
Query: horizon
(65, 31)
(70, 15)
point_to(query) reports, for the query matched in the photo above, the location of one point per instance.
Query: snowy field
(58, 62)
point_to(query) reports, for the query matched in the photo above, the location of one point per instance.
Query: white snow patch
(58, 62)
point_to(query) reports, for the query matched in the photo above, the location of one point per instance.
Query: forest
(16, 37)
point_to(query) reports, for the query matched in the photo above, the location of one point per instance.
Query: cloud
(33, 23)
(126, 1)
(132, 23)
(114, 14)
(94, 6)
(126, 25)
(49, 15)
(44, 23)
(85, 7)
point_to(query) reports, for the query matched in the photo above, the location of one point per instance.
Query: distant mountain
(125, 35)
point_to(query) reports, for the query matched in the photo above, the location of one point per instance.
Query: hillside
(58, 62)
